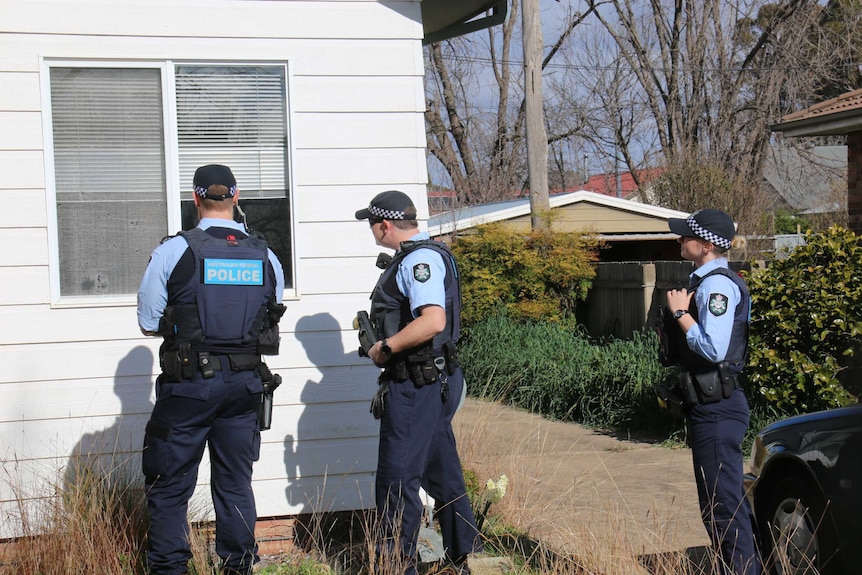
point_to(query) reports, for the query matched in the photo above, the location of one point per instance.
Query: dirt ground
(615, 504)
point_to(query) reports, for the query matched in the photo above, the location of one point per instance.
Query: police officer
(415, 308)
(214, 294)
(713, 313)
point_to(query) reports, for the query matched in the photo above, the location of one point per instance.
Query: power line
(684, 69)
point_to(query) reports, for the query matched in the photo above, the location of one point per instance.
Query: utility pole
(537, 137)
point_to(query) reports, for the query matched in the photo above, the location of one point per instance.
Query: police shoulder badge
(422, 272)
(717, 304)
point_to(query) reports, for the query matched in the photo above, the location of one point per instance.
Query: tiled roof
(846, 102)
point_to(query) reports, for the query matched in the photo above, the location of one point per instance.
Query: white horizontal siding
(75, 378)
(20, 92)
(83, 360)
(21, 130)
(356, 131)
(311, 313)
(31, 247)
(391, 167)
(23, 286)
(339, 203)
(214, 19)
(23, 169)
(352, 93)
(322, 58)
(29, 208)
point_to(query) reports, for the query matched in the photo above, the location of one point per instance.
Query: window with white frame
(114, 197)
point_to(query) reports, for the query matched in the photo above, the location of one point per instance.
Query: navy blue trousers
(417, 449)
(221, 412)
(716, 432)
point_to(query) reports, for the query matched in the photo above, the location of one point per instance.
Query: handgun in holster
(270, 382)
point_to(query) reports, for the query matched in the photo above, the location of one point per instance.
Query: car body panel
(823, 449)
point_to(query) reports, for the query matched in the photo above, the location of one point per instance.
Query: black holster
(270, 382)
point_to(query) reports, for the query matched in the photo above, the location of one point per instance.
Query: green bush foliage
(545, 368)
(541, 274)
(806, 322)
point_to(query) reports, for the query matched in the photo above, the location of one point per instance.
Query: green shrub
(545, 368)
(806, 321)
(541, 274)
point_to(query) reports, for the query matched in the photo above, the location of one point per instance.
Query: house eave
(834, 124)
(445, 19)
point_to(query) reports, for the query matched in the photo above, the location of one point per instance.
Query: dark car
(805, 487)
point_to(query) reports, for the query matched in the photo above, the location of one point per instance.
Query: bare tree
(475, 131)
(705, 78)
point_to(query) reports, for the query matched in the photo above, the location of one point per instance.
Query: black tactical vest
(390, 309)
(737, 349)
(223, 307)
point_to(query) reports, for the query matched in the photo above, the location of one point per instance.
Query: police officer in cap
(214, 294)
(415, 308)
(713, 314)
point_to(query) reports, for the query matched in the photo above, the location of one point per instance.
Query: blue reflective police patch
(233, 272)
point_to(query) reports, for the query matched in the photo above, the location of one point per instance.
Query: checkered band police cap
(211, 175)
(713, 226)
(391, 205)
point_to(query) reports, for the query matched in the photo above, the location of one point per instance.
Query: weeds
(94, 521)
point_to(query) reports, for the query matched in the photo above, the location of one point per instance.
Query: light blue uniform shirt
(710, 336)
(420, 277)
(153, 293)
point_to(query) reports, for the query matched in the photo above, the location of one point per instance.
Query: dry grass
(94, 522)
(553, 519)
(583, 520)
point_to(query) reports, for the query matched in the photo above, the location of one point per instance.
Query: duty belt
(181, 364)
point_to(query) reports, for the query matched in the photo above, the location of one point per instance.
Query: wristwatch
(679, 313)
(384, 348)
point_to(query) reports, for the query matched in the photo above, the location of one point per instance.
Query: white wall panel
(81, 378)
(24, 286)
(315, 494)
(339, 203)
(386, 167)
(25, 208)
(22, 169)
(31, 247)
(325, 58)
(65, 361)
(21, 130)
(349, 130)
(338, 275)
(222, 20)
(20, 92)
(358, 94)
(46, 325)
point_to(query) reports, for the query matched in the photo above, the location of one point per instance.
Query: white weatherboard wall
(78, 378)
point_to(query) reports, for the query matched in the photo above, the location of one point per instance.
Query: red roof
(846, 102)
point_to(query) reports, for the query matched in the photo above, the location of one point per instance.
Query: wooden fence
(626, 296)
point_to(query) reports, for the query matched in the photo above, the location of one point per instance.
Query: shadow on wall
(335, 451)
(114, 453)
(307, 465)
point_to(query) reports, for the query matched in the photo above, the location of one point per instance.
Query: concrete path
(615, 505)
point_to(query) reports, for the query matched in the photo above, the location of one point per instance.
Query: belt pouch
(450, 352)
(729, 380)
(709, 386)
(686, 388)
(244, 361)
(171, 367)
(422, 373)
(205, 364)
(187, 367)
